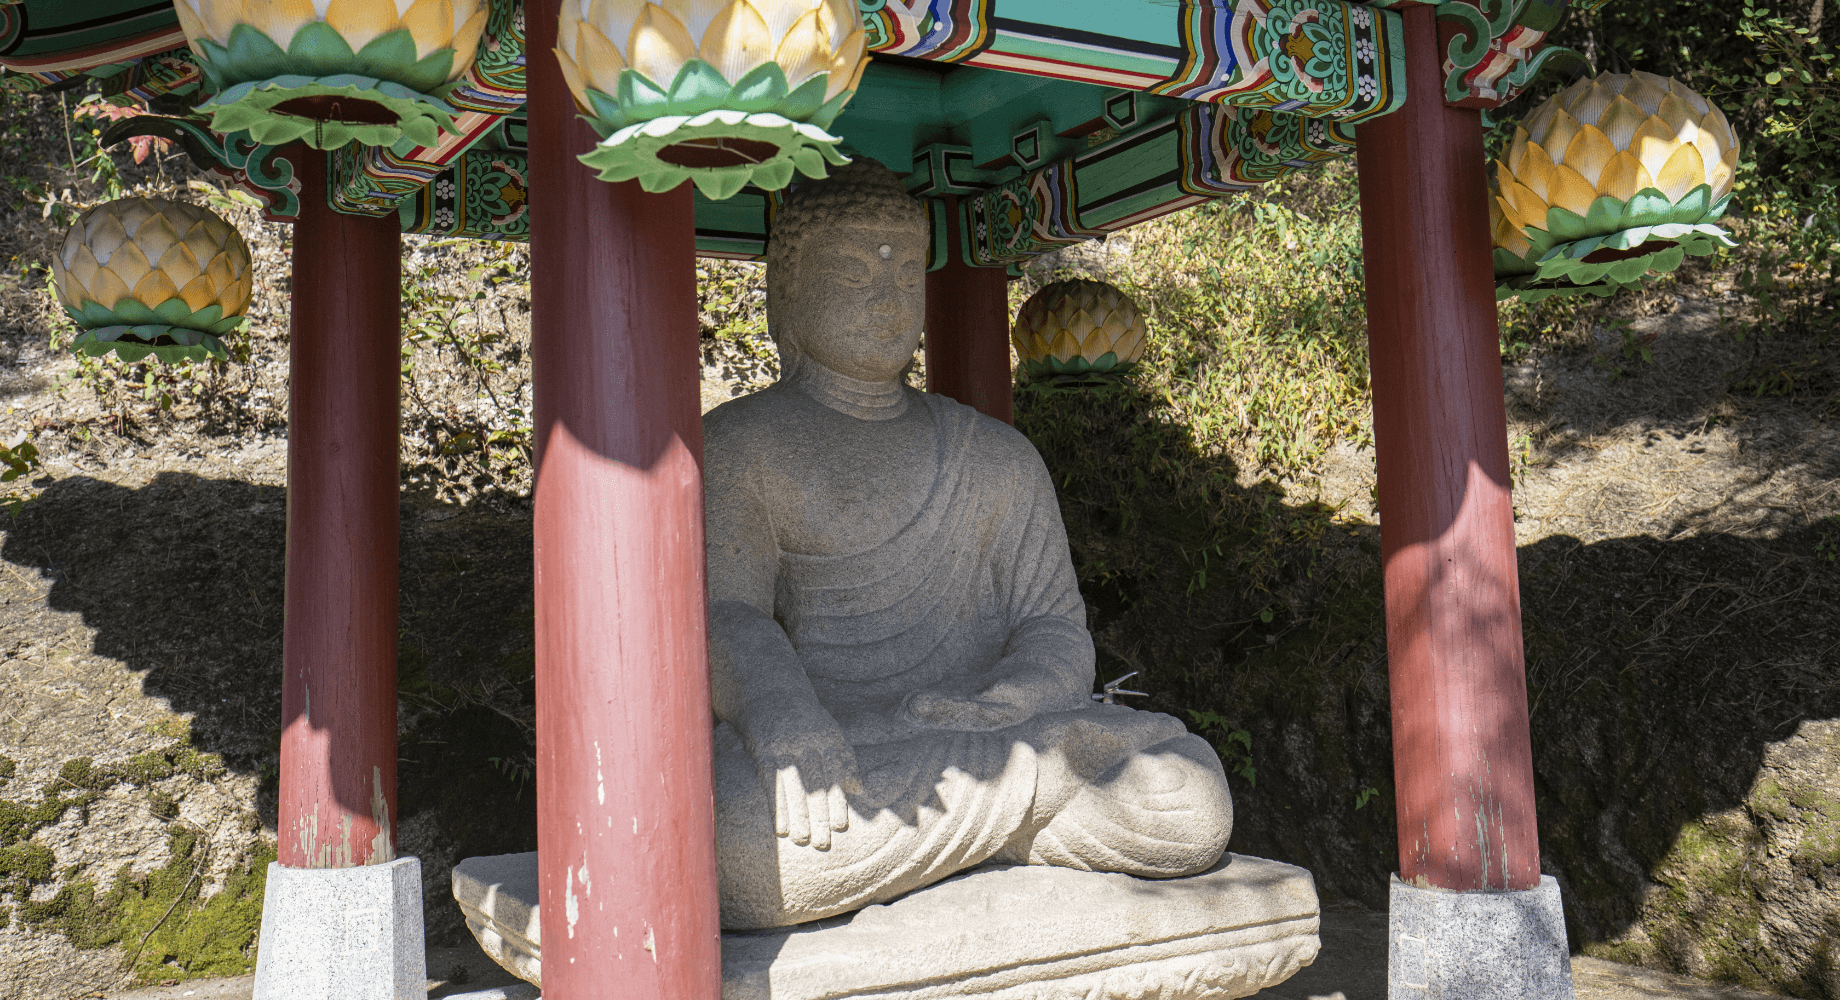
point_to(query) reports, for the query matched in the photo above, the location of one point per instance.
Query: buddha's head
(846, 274)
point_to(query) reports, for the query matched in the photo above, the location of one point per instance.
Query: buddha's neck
(846, 395)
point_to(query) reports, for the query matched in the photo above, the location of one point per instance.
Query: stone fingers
(783, 797)
(840, 809)
(849, 774)
(818, 813)
(803, 797)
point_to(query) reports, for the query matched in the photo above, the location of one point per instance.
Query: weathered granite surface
(352, 933)
(498, 896)
(898, 648)
(1010, 932)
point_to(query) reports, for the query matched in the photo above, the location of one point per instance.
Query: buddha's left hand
(981, 703)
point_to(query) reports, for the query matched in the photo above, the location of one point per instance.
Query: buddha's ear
(781, 273)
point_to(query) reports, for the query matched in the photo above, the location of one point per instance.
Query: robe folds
(980, 574)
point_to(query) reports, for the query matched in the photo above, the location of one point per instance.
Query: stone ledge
(1003, 932)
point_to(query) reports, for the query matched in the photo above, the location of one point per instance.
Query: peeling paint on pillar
(1463, 760)
(339, 632)
(622, 674)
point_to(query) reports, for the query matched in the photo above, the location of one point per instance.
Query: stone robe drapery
(981, 572)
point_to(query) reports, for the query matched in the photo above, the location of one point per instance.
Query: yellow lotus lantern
(146, 276)
(1078, 334)
(719, 92)
(1613, 177)
(328, 72)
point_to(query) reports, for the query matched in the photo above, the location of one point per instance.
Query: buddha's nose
(884, 305)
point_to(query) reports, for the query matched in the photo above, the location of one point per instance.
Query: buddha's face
(858, 300)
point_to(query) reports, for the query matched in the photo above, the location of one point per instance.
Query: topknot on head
(859, 194)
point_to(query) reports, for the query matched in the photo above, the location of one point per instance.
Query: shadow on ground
(1660, 674)
(182, 580)
(1683, 690)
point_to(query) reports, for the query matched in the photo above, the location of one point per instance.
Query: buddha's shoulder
(746, 423)
(993, 442)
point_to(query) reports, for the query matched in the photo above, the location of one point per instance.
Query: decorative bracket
(265, 171)
(1494, 48)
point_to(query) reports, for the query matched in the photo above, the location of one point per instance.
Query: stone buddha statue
(901, 669)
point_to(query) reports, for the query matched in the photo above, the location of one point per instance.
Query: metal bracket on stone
(1112, 690)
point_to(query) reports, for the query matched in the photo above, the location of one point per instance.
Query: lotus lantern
(719, 92)
(1078, 334)
(148, 276)
(1613, 177)
(328, 72)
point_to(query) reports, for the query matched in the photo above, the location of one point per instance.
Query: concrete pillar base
(1477, 945)
(350, 933)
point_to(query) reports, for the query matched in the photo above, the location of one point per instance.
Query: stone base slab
(351, 933)
(1509, 945)
(498, 897)
(1006, 932)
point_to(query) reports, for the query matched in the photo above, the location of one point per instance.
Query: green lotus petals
(1606, 214)
(318, 49)
(1051, 374)
(253, 55)
(805, 101)
(1693, 205)
(642, 118)
(759, 89)
(382, 55)
(831, 109)
(630, 152)
(173, 311)
(137, 343)
(170, 332)
(1565, 225)
(1531, 294)
(641, 98)
(1506, 263)
(698, 88)
(604, 114)
(1555, 263)
(212, 62)
(249, 107)
(778, 173)
(132, 312)
(254, 74)
(1648, 207)
(92, 313)
(808, 161)
(1105, 364)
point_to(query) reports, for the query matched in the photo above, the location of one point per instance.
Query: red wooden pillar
(625, 805)
(967, 331)
(338, 691)
(1462, 759)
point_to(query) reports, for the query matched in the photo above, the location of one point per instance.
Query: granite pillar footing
(349, 933)
(1507, 945)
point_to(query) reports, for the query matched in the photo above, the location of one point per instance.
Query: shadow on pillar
(1645, 726)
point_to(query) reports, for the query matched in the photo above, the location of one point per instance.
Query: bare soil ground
(1679, 520)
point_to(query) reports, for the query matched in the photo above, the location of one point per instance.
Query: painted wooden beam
(338, 659)
(1462, 756)
(625, 802)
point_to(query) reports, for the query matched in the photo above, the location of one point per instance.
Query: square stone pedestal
(350, 933)
(1007, 932)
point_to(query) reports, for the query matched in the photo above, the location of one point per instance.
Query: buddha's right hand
(805, 767)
